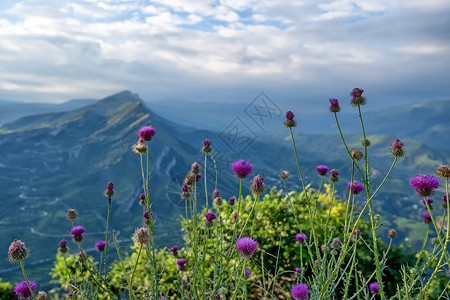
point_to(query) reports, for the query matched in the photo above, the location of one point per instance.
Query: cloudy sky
(225, 50)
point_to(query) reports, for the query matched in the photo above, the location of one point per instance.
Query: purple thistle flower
(234, 215)
(63, 244)
(100, 245)
(70, 294)
(110, 186)
(290, 116)
(357, 98)
(241, 169)
(232, 200)
(195, 168)
(147, 133)
(237, 234)
(301, 238)
(247, 273)
(356, 93)
(181, 264)
(396, 148)
(258, 185)
(215, 194)
(336, 241)
(300, 291)
(146, 216)
(356, 187)
(210, 216)
(427, 218)
(218, 296)
(206, 146)
(246, 246)
(298, 270)
(356, 233)
(77, 233)
(22, 289)
(142, 197)
(322, 170)
(444, 197)
(334, 105)
(374, 288)
(17, 251)
(174, 251)
(334, 173)
(198, 177)
(289, 123)
(424, 184)
(186, 188)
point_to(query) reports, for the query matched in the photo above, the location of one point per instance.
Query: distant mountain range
(58, 160)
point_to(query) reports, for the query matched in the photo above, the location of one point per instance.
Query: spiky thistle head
(17, 251)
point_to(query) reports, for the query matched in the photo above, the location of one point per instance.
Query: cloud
(55, 50)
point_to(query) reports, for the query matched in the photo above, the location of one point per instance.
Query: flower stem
(206, 185)
(134, 270)
(26, 279)
(107, 231)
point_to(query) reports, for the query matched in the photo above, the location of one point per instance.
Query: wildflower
(336, 243)
(237, 235)
(185, 191)
(289, 123)
(140, 147)
(334, 105)
(23, 290)
(357, 98)
(142, 199)
(206, 146)
(185, 283)
(246, 246)
(392, 234)
(356, 233)
(217, 202)
(41, 295)
(443, 171)
(284, 174)
(109, 192)
(429, 201)
(232, 200)
(77, 233)
(71, 214)
(424, 184)
(301, 238)
(218, 296)
(215, 194)
(100, 245)
(247, 273)
(17, 251)
(197, 177)
(63, 247)
(141, 236)
(374, 288)
(181, 264)
(258, 185)
(322, 170)
(147, 133)
(190, 178)
(334, 175)
(241, 169)
(427, 218)
(356, 187)
(210, 216)
(356, 154)
(298, 270)
(71, 294)
(174, 251)
(234, 215)
(300, 291)
(333, 252)
(396, 148)
(195, 168)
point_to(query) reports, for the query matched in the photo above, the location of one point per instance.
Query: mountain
(55, 161)
(11, 110)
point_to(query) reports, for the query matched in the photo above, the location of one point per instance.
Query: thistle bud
(392, 233)
(71, 214)
(356, 154)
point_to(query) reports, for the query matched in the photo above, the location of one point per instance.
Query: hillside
(55, 161)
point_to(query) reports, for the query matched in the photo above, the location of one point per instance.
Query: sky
(305, 51)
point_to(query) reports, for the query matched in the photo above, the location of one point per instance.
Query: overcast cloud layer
(226, 50)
